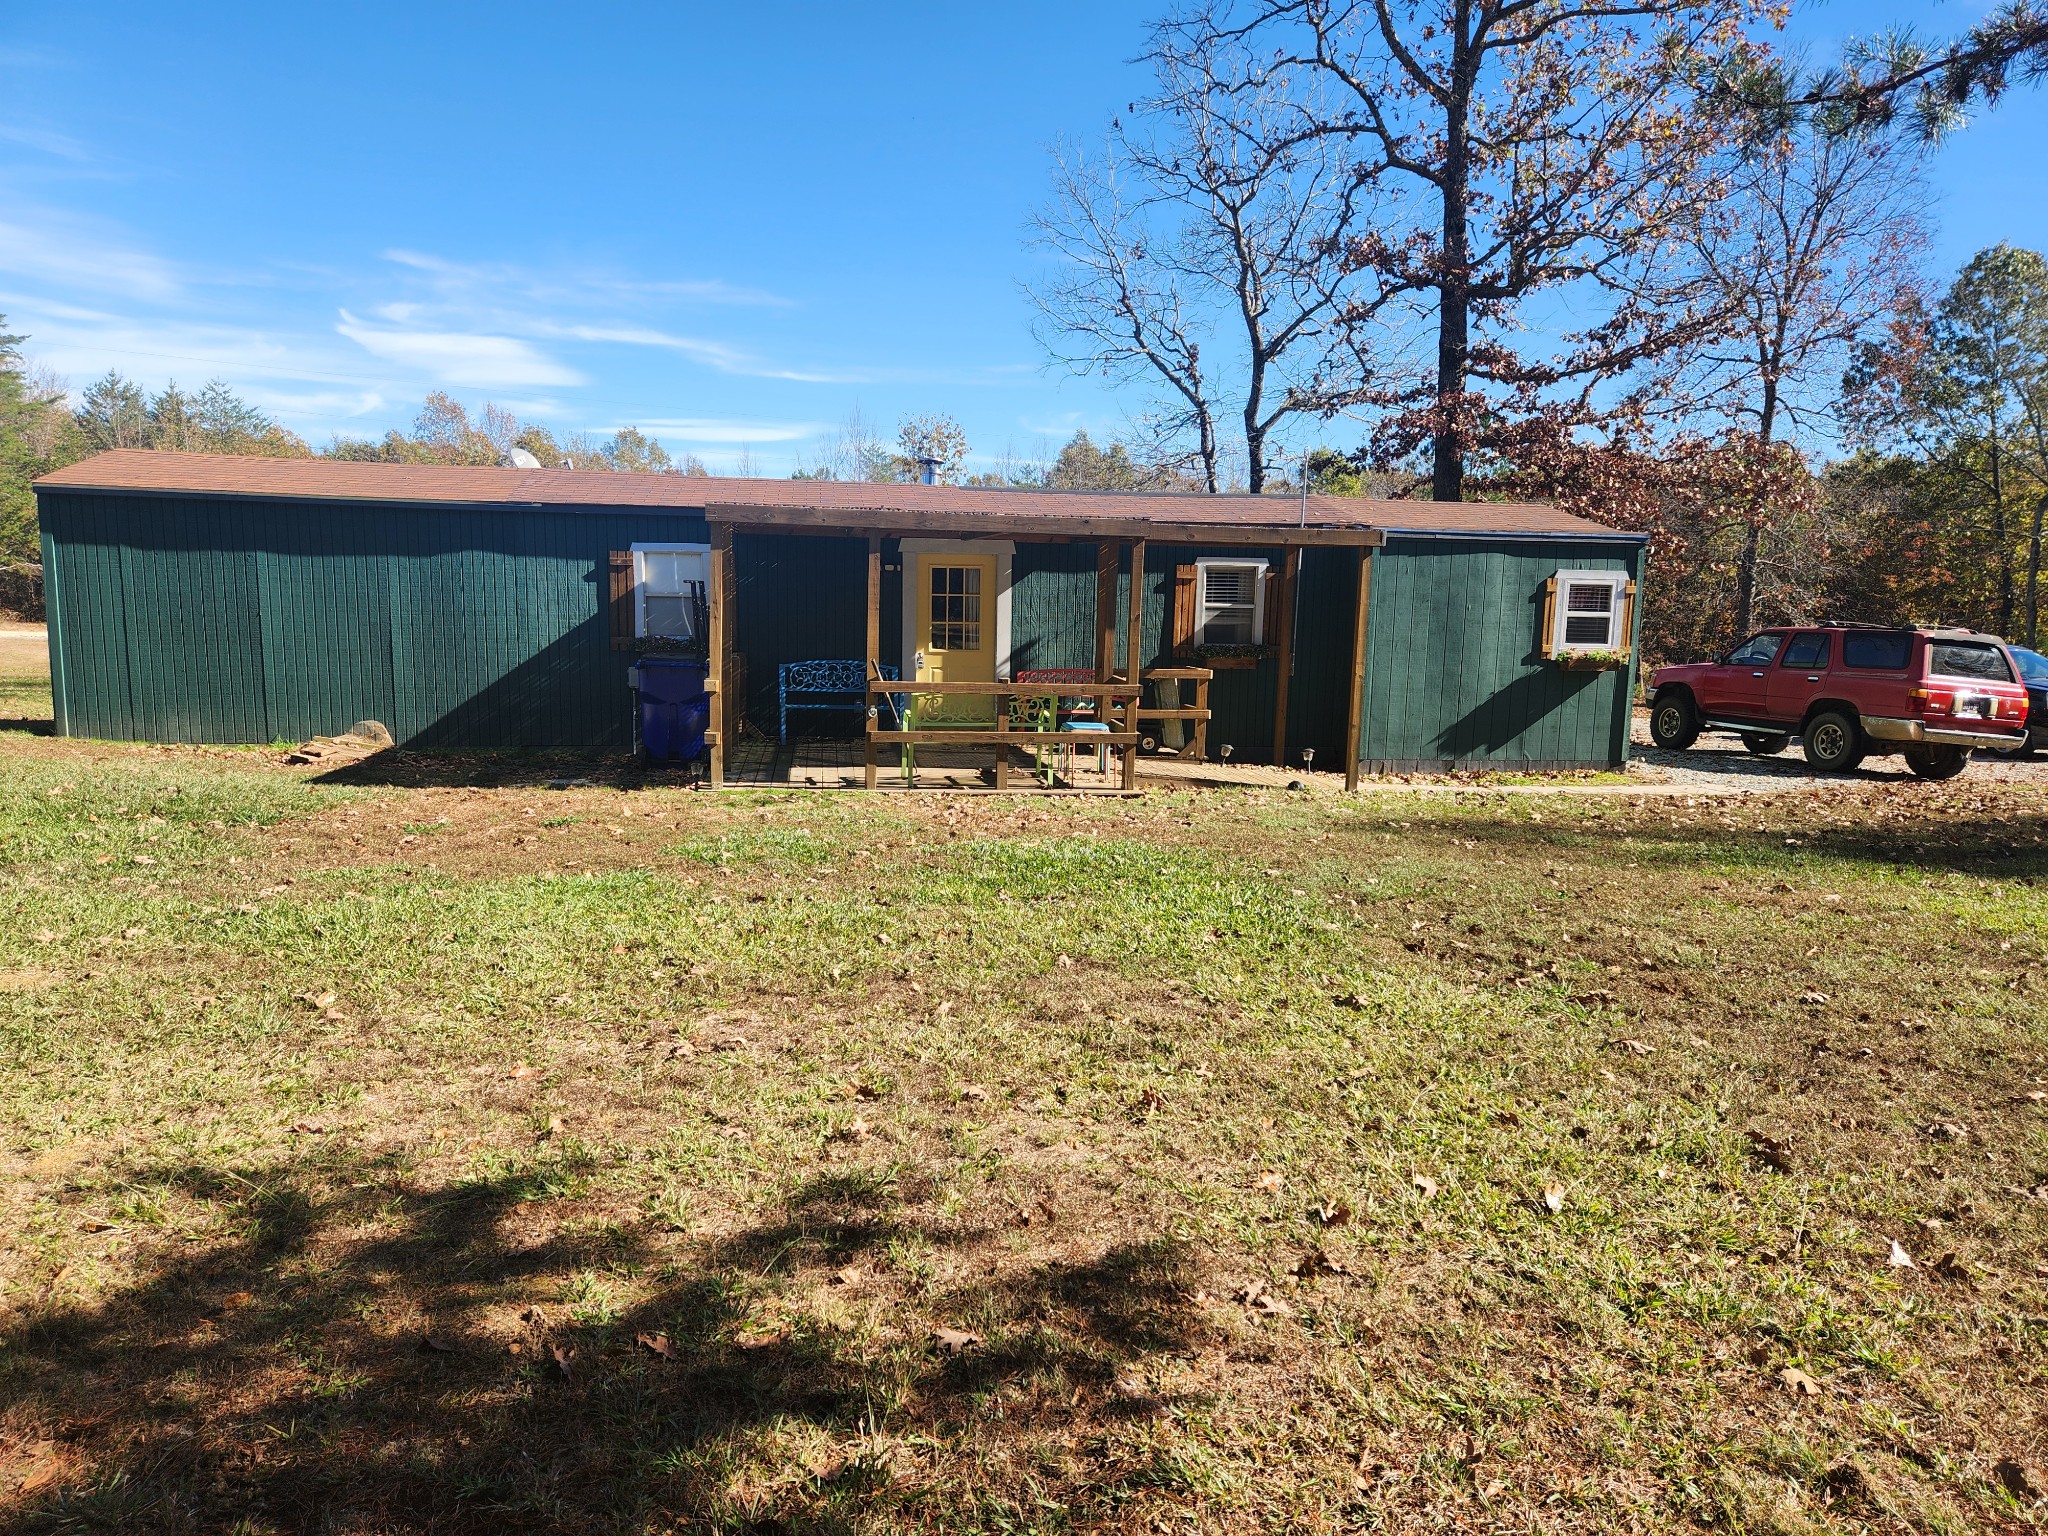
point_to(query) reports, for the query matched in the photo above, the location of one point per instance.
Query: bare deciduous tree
(1813, 244)
(1193, 231)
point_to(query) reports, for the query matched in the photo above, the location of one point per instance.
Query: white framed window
(670, 587)
(1589, 611)
(1230, 602)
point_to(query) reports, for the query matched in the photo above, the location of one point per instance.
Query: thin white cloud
(713, 354)
(710, 429)
(466, 359)
(66, 255)
(599, 286)
(46, 140)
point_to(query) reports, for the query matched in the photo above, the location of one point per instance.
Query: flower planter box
(1235, 658)
(1591, 661)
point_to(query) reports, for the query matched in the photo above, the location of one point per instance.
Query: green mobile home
(208, 598)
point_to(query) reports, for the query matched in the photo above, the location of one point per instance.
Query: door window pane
(955, 608)
(1756, 651)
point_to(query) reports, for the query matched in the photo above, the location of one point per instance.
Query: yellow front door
(956, 630)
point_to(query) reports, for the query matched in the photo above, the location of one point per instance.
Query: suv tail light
(1932, 701)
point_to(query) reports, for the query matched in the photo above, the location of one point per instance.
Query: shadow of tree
(358, 1355)
(1924, 826)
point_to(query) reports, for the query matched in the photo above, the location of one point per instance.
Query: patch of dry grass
(482, 1159)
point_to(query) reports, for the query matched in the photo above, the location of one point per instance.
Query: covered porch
(933, 589)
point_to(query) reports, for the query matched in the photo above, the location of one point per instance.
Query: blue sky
(729, 225)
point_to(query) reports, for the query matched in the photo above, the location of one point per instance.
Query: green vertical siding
(1454, 670)
(228, 619)
(197, 619)
(804, 598)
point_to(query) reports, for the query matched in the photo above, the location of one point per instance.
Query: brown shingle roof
(853, 505)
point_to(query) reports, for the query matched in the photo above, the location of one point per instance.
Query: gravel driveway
(1720, 763)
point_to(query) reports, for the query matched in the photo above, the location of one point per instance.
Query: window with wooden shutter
(1586, 611)
(1230, 602)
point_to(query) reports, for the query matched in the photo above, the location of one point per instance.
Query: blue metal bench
(823, 685)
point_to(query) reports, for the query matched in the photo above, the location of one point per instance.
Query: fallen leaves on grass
(1813, 999)
(307, 1128)
(1900, 1259)
(1798, 1382)
(656, 1344)
(1553, 1198)
(522, 1071)
(1270, 1181)
(973, 1093)
(1255, 1297)
(1330, 1213)
(1314, 1262)
(1425, 1186)
(1950, 1267)
(1631, 1047)
(1770, 1151)
(955, 1341)
(1943, 1130)
(431, 1344)
(847, 1276)
(855, 1129)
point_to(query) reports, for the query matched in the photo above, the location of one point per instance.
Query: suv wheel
(1674, 724)
(1834, 742)
(1766, 743)
(1937, 762)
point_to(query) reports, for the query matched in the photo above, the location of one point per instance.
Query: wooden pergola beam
(855, 523)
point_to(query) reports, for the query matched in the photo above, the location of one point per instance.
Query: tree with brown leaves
(1518, 165)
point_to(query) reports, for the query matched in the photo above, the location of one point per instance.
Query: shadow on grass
(1919, 826)
(364, 1357)
(400, 768)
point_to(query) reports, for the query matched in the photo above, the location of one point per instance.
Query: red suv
(1848, 691)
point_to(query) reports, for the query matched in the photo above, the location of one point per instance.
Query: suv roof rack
(1856, 624)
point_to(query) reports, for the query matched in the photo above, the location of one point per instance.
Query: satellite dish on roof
(519, 458)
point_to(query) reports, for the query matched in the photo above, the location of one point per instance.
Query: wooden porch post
(1134, 665)
(1105, 612)
(1283, 621)
(715, 624)
(874, 651)
(1354, 714)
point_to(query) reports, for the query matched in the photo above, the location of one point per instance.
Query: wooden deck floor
(839, 764)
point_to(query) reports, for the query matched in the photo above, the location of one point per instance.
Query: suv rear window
(1967, 658)
(1882, 651)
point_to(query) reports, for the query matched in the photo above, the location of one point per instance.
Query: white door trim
(1003, 549)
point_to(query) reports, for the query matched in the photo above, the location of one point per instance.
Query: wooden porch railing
(999, 733)
(1197, 747)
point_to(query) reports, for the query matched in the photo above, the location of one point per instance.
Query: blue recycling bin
(675, 709)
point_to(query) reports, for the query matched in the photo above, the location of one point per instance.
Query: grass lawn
(503, 1159)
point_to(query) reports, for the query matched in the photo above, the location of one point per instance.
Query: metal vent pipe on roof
(931, 468)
